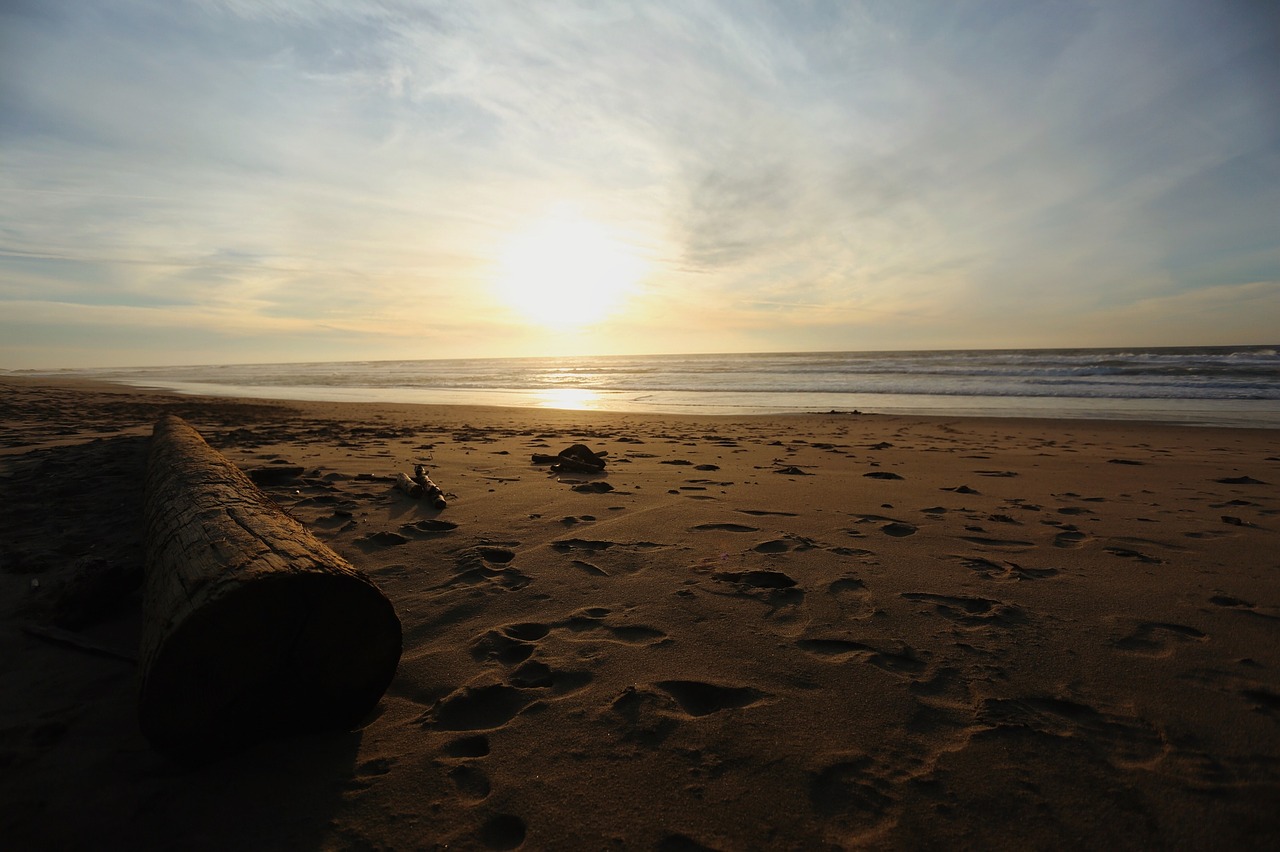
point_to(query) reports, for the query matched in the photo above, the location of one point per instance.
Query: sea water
(1237, 386)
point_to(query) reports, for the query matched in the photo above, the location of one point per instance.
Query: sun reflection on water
(574, 399)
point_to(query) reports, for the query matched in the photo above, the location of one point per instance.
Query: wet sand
(801, 632)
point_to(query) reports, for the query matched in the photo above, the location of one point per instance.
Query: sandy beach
(825, 631)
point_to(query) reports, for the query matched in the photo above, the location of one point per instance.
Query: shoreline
(796, 631)
(536, 401)
(1234, 386)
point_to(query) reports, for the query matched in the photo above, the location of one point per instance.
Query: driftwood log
(252, 627)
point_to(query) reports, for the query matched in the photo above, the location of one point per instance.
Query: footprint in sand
(472, 784)
(698, 698)
(533, 674)
(971, 611)
(905, 661)
(1005, 570)
(1158, 638)
(984, 567)
(1020, 572)
(509, 579)
(589, 623)
(1263, 699)
(947, 687)
(1232, 602)
(515, 644)
(376, 766)
(867, 556)
(1261, 695)
(680, 842)
(776, 590)
(366, 772)
(526, 631)
(649, 714)
(757, 579)
(627, 634)
(644, 716)
(476, 708)
(500, 647)
(1128, 741)
(899, 529)
(1070, 538)
(735, 528)
(429, 527)
(1126, 553)
(1007, 544)
(476, 566)
(594, 570)
(503, 831)
(472, 746)
(581, 544)
(852, 596)
(854, 796)
(536, 674)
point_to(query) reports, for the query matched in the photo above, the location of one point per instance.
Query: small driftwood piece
(408, 486)
(430, 490)
(252, 626)
(420, 487)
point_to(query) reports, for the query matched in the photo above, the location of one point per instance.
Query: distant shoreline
(1268, 417)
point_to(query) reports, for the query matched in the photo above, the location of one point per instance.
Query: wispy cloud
(795, 175)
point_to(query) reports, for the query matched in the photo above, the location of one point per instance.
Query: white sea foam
(1232, 385)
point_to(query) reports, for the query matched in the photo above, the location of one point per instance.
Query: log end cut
(286, 654)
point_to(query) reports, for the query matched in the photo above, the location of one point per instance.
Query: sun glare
(566, 272)
(574, 399)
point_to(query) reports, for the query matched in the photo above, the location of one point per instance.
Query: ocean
(1228, 385)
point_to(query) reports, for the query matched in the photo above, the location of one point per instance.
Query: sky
(241, 181)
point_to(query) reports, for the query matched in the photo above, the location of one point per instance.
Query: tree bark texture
(253, 627)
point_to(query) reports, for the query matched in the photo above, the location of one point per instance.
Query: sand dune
(821, 631)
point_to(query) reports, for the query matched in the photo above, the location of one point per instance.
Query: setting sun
(566, 272)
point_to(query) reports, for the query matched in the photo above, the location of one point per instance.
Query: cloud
(1227, 314)
(797, 172)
